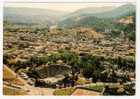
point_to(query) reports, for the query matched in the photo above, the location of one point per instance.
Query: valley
(71, 53)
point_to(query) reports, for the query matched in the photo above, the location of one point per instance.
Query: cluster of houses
(24, 45)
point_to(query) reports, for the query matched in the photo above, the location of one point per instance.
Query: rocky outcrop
(12, 83)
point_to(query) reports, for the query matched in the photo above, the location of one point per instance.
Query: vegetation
(96, 87)
(64, 92)
(91, 65)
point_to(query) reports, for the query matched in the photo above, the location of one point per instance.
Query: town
(88, 58)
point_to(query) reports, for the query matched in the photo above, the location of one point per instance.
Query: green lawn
(96, 87)
(64, 92)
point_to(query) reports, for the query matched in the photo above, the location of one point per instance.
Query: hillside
(87, 11)
(31, 15)
(93, 19)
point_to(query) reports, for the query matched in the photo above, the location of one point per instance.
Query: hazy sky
(61, 6)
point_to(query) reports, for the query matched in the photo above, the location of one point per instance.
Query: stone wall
(53, 70)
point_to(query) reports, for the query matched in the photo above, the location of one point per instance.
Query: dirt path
(40, 91)
(83, 92)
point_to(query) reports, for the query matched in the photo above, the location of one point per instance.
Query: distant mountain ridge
(88, 10)
(83, 17)
(31, 15)
(78, 19)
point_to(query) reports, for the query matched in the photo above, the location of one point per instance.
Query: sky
(70, 7)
